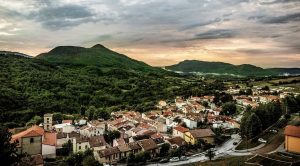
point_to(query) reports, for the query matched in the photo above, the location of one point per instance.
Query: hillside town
(177, 131)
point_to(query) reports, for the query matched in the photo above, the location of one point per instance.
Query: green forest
(33, 86)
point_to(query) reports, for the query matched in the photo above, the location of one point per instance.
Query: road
(224, 150)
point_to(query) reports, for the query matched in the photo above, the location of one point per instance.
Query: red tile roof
(49, 139)
(34, 131)
(292, 131)
(177, 140)
(181, 129)
(67, 121)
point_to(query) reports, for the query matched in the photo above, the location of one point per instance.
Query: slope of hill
(97, 55)
(14, 53)
(285, 71)
(218, 68)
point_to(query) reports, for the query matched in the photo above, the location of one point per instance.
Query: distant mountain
(204, 67)
(97, 55)
(14, 53)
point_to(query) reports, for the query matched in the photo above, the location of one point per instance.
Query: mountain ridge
(205, 67)
(97, 55)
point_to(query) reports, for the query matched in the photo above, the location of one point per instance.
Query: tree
(111, 135)
(90, 161)
(210, 154)
(253, 126)
(101, 114)
(205, 104)
(164, 150)
(89, 113)
(35, 121)
(8, 152)
(228, 109)
(58, 116)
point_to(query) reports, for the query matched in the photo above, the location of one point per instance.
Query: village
(176, 131)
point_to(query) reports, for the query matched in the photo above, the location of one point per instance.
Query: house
(192, 121)
(292, 139)
(97, 142)
(91, 130)
(64, 128)
(162, 104)
(109, 155)
(29, 141)
(179, 131)
(49, 145)
(67, 121)
(176, 142)
(124, 150)
(193, 136)
(80, 144)
(48, 121)
(149, 145)
(65, 137)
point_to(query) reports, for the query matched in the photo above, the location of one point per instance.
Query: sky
(265, 33)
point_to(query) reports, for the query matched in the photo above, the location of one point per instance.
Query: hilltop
(189, 66)
(98, 55)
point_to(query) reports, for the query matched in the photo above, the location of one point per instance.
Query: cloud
(216, 34)
(55, 18)
(295, 17)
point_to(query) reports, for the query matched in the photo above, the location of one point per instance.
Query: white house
(80, 144)
(64, 128)
(192, 122)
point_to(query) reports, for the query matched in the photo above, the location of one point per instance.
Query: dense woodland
(31, 86)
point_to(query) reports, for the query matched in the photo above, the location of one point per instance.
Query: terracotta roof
(108, 152)
(73, 134)
(124, 148)
(149, 132)
(201, 133)
(33, 131)
(292, 131)
(82, 139)
(134, 145)
(49, 139)
(177, 140)
(147, 144)
(97, 141)
(181, 129)
(157, 136)
(61, 135)
(67, 121)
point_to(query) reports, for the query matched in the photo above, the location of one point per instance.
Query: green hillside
(97, 55)
(33, 86)
(218, 67)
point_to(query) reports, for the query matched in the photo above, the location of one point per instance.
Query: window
(79, 147)
(31, 140)
(86, 147)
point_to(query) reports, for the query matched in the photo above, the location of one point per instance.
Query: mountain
(97, 55)
(285, 71)
(204, 67)
(14, 53)
(218, 68)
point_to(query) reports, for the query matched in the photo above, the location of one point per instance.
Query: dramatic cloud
(159, 32)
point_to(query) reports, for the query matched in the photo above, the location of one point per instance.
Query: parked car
(273, 131)
(174, 159)
(262, 140)
(164, 160)
(235, 143)
(183, 158)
